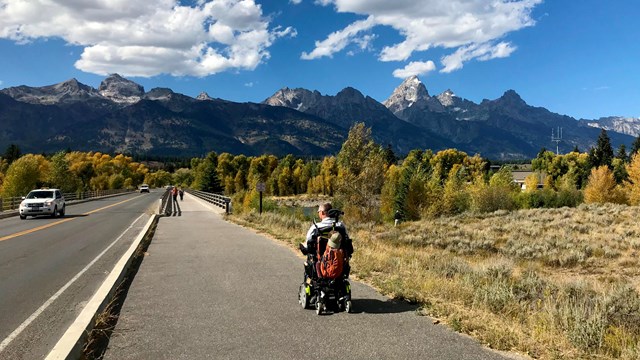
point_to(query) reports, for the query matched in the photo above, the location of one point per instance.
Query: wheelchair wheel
(348, 307)
(303, 298)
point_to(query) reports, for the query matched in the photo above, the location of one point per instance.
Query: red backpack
(331, 263)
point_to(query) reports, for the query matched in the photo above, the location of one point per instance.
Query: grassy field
(549, 283)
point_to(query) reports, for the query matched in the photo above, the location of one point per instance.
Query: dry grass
(551, 283)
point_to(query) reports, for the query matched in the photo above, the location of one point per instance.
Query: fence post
(1, 205)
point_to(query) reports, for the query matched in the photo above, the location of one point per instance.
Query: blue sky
(578, 58)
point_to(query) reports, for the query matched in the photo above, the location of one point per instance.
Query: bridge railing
(165, 204)
(216, 199)
(12, 203)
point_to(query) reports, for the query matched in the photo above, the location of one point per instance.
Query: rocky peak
(121, 90)
(511, 97)
(65, 92)
(447, 98)
(299, 99)
(410, 92)
(203, 96)
(350, 95)
(159, 94)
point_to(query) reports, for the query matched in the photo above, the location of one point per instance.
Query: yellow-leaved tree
(632, 185)
(25, 174)
(602, 187)
(361, 169)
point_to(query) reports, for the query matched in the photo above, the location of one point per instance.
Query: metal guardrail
(13, 203)
(216, 199)
(164, 203)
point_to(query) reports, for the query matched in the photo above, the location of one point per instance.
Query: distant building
(520, 176)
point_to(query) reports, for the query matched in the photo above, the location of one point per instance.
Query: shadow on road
(374, 306)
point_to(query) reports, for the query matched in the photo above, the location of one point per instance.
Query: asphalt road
(50, 267)
(209, 289)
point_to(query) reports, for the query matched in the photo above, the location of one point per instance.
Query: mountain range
(120, 116)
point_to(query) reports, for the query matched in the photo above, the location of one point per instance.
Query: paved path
(209, 289)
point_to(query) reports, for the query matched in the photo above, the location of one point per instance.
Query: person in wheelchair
(325, 241)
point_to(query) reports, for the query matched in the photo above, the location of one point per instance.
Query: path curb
(70, 346)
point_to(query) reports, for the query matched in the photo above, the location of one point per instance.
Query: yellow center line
(25, 232)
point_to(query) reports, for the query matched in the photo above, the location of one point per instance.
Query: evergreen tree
(205, 175)
(390, 156)
(12, 153)
(602, 154)
(622, 153)
(635, 147)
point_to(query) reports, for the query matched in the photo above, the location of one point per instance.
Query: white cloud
(482, 52)
(339, 40)
(295, 2)
(415, 68)
(249, 84)
(1, 82)
(464, 25)
(151, 37)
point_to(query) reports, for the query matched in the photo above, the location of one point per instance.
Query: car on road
(144, 188)
(42, 202)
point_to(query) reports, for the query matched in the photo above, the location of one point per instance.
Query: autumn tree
(602, 188)
(25, 174)
(455, 198)
(632, 185)
(182, 177)
(443, 161)
(361, 168)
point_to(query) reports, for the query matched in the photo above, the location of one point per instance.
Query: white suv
(42, 202)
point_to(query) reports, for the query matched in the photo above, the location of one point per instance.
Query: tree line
(70, 171)
(364, 178)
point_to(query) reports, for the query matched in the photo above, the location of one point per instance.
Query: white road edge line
(71, 340)
(47, 303)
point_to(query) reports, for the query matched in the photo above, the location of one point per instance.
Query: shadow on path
(176, 208)
(374, 306)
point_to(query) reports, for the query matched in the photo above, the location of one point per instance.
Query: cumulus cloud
(295, 2)
(415, 68)
(471, 27)
(151, 37)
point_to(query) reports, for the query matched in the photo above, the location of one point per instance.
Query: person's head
(323, 210)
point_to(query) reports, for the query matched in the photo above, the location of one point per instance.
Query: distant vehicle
(169, 187)
(42, 202)
(144, 188)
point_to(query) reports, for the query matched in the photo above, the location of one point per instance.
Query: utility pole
(557, 137)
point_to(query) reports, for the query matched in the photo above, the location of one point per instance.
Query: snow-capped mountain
(120, 116)
(411, 93)
(624, 125)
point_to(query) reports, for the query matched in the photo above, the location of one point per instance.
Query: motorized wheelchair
(322, 293)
